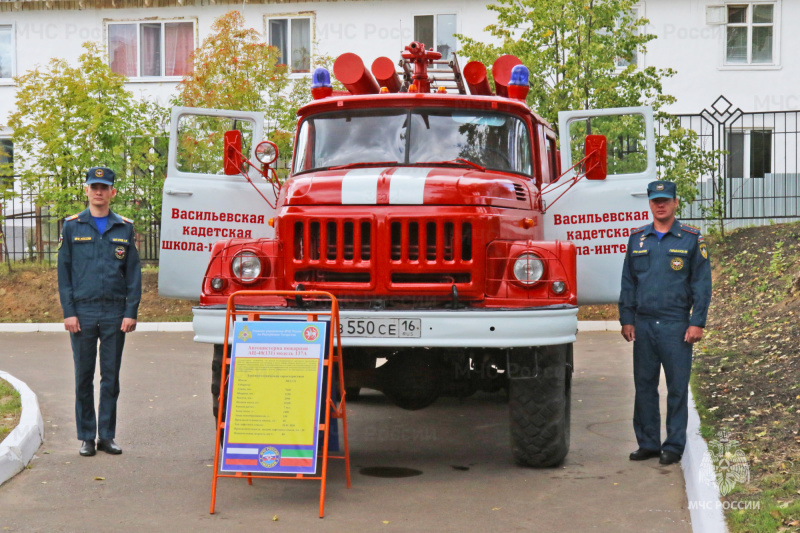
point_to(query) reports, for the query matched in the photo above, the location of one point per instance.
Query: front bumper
(463, 328)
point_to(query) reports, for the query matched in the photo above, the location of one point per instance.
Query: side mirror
(597, 157)
(233, 152)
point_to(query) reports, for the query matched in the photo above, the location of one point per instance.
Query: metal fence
(30, 233)
(760, 175)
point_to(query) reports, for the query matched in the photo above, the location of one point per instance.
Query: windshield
(406, 137)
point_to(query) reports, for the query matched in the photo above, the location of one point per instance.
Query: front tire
(540, 383)
(216, 367)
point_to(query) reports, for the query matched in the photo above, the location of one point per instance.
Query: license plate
(381, 327)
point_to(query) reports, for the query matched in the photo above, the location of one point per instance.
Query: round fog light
(216, 284)
(559, 287)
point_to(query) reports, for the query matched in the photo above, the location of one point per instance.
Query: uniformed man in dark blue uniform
(100, 285)
(666, 290)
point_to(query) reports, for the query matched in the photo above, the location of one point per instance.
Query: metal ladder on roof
(445, 73)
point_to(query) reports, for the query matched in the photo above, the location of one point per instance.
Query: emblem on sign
(310, 334)
(269, 457)
(119, 252)
(677, 263)
(245, 335)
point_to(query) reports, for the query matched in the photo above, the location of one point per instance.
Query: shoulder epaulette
(126, 219)
(73, 217)
(637, 230)
(690, 229)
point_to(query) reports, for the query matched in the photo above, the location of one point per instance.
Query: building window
(6, 162)
(437, 31)
(6, 51)
(292, 36)
(151, 49)
(622, 62)
(750, 34)
(749, 153)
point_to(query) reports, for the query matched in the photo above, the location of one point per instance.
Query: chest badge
(676, 263)
(119, 253)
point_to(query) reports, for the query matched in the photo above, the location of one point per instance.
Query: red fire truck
(435, 210)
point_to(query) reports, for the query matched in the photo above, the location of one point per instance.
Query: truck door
(598, 215)
(202, 205)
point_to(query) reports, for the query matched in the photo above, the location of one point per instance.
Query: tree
(70, 118)
(581, 55)
(234, 69)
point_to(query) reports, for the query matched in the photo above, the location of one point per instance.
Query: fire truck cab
(437, 213)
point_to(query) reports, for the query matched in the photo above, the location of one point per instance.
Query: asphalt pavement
(459, 449)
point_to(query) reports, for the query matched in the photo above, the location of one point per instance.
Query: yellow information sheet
(274, 400)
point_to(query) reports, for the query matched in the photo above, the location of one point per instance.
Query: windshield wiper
(458, 161)
(365, 164)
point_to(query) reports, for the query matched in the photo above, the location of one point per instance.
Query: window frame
(138, 22)
(747, 151)
(455, 12)
(776, 40)
(13, 30)
(312, 19)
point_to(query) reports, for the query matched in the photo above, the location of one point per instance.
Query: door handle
(177, 192)
(638, 194)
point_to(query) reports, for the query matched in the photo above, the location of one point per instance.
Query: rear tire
(539, 404)
(412, 380)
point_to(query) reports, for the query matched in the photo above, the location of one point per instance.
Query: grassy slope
(746, 376)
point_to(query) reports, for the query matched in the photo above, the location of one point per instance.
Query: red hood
(408, 186)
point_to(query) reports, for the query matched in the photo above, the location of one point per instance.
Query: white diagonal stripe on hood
(407, 186)
(360, 186)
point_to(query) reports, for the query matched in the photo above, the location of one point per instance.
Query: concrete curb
(703, 496)
(17, 449)
(598, 325)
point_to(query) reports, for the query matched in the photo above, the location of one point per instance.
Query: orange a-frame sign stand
(334, 357)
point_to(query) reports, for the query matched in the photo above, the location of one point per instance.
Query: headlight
(246, 267)
(528, 268)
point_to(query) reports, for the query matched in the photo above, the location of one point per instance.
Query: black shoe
(109, 446)
(668, 458)
(641, 454)
(87, 448)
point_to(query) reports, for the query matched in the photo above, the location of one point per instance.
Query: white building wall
(370, 29)
(685, 42)
(696, 49)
